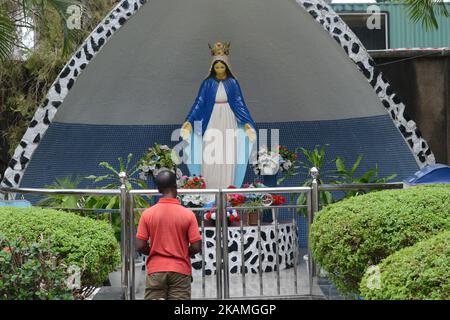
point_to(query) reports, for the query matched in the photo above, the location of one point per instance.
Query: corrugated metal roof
(403, 33)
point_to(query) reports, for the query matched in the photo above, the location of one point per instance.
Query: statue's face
(220, 69)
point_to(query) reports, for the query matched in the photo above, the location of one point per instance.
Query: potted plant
(158, 158)
(270, 163)
(252, 214)
(193, 200)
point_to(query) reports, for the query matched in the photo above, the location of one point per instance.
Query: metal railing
(127, 212)
(275, 211)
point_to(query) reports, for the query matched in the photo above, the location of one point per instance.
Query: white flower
(213, 216)
(179, 174)
(164, 147)
(287, 164)
(142, 176)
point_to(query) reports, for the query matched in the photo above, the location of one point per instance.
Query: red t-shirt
(170, 227)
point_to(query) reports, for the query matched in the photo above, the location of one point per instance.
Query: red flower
(208, 215)
(278, 200)
(236, 199)
(238, 219)
(231, 187)
(231, 218)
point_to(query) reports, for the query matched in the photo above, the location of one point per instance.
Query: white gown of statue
(219, 150)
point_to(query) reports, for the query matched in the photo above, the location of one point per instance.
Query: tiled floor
(270, 287)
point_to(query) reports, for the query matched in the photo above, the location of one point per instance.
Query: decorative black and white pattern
(286, 238)
(321, 12)
(345, 37)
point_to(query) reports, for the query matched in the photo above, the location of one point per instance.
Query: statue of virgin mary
(219, 130)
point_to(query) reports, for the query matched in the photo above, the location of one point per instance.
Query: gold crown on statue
(220, 49)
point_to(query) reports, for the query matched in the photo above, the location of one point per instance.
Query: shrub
(31, 272)
(77, 240)
(348, 236)
(420, 272)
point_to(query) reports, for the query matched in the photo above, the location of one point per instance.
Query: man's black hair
(166, 181)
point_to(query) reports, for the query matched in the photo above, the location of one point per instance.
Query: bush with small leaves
(84, 242)
(419, 272)
(349, 236)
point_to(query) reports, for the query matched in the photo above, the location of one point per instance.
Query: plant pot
(252, 218)
(270, 180)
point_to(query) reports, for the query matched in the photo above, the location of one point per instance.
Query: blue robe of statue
(200, 115)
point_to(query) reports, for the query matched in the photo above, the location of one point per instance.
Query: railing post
(226, 279)
(314, 172)
(124, 236)
(219, 209)
(132, 243)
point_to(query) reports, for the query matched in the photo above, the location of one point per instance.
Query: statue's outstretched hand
(186, 130)
(251, 133)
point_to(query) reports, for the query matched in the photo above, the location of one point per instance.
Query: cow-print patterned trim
(63, 83)
(345, 37)
(286, 238)
(127, 8)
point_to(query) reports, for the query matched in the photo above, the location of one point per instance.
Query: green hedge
(85, 242)
(351, 235)
(419, 272)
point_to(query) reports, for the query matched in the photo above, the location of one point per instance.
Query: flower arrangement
(254, 199)
(287, 158)
(158, 158)
(278, 200)
(272, 162)
(194, 182)
(268, 162)
(232, 216)
(192, 200)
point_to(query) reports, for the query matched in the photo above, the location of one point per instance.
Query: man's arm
(195, 247)
(142, 246)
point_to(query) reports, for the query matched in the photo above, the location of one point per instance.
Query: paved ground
(285, 288)
(270, 288)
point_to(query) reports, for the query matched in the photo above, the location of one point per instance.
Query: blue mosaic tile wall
(76, 149)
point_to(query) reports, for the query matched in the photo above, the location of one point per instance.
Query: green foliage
(39, 16)
(419, 272)
(113, 202)
(348, 176)
(292, 157)
(7, 35)
(62, 201)
(425, 11)
(108, 202)
(355, 233)
(80, 241)
(158, 157)
(24, 84)
(31, 272)
(316, 158)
